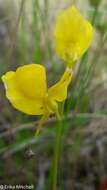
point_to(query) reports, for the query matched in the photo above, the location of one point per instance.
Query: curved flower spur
(27, 91)
(26, 88)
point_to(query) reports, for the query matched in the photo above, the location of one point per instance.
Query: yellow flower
(73, 35)
(27, 90)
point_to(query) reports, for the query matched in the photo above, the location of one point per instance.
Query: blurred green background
(26, 36)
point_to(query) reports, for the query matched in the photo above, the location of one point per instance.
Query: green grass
(79, 96)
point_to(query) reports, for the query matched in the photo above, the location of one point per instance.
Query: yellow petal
(26, 88)
(73, 35)
(31, 80)
(58, 91)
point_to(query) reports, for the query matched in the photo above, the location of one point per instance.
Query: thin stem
(57, 152)
(62, 109)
